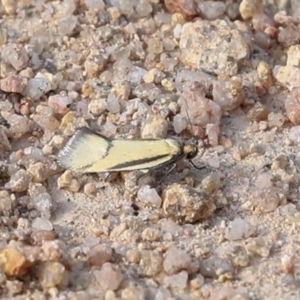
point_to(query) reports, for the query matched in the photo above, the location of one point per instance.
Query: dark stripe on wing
(84, 132)
(138, 162)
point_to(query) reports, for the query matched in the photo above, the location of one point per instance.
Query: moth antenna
(196, 167)
(192, 129)
(188, 116)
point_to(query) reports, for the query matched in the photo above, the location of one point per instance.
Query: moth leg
(142, 174)
(167, 173)
(110, 176)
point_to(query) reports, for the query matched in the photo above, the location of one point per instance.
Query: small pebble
(258, 246)
(44, 118)
(185, 204)
(187, 8)
(118, 230)
(276, 119)
(194, 106)
(197, 282)
(38, 172)
(204, 48)
(288, 263)
(238, 256)
(258, 112)
(289, 35)
(177, 282)
(44, 204)
(38, 238)
(67, 181)
(149, 196)
(6, 203)
(212, 132)
(13, 84)
(294, 134)
(19, 125)
(55, 250)
(97, 107)
(13, 262)
(133, 256)
(288, 76)
(59, 103)
(239, 229)
(249, 8)
(66, 25)
(134, 292)
(113, 104)
(150, 234)
(150, 263)
(215, 266)
(15, 55)
(211, 183)
(155, 127)
(19, 181)
(179, 123)
(154, 75)
(211, 10)
(292, 106)
(4, 142)
(135, 75)
(94, 64)
(114, 13)
(36, 88)
(176, 260)
(155, 46)
(289, 212)
(90, 189)
(14, 287)
(98, 4)
(52, 274)
(246, 148)
(99, 254)
(109, 277)
(265, 74)
(42, 224)
(122, 90)
(263, 181)
(267, 199)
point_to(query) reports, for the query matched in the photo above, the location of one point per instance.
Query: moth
(90, 152)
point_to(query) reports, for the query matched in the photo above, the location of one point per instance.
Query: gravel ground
(223, 75)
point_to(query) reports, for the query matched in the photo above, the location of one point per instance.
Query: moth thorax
(190, 151)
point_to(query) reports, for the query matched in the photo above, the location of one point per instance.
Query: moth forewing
(83, 149)
(90, 152)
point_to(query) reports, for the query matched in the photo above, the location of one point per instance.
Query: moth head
(190, 151)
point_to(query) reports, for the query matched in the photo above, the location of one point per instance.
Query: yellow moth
(91, 152)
